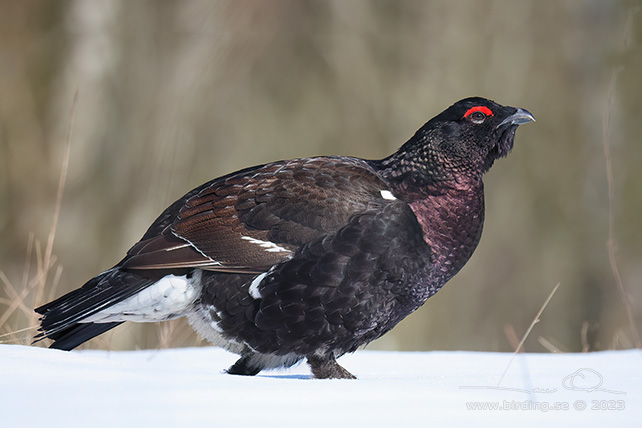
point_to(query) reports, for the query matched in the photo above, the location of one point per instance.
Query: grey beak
(520, 117)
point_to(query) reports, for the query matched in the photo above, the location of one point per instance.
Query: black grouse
(305, 258)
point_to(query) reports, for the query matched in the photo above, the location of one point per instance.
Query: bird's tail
(62, 319)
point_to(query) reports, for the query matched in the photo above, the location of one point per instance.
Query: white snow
(187, 387)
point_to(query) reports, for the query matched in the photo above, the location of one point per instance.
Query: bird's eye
(478, 114)
(477, 117)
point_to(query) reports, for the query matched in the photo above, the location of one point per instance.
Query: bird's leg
(327, 368)
(243, 367)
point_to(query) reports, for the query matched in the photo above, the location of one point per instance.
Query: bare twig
(528, 331)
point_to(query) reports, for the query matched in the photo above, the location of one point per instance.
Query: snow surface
(187, 387)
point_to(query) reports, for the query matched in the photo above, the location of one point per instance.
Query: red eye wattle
(481, 109)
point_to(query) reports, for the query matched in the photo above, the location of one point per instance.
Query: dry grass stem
(32, 289)
(511, 336)
(611, 244)
(584, 337)
(548, 345)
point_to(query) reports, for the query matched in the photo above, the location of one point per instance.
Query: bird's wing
(253, 219)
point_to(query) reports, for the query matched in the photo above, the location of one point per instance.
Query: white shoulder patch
(256, 283)
(387, 194)
(254, 286)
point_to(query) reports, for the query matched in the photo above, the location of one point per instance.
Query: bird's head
(472, 133)
(455, 147)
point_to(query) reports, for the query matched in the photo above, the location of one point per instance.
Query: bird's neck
(448, 206)
(452, 225)
(452, 218)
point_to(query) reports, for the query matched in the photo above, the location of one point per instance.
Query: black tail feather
(62, 318)
(79, 334)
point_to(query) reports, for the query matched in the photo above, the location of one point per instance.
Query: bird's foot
(327, 368)
(243, 367)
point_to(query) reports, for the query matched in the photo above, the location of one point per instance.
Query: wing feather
(251, 220)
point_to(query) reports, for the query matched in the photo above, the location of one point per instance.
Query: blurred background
(173, 93)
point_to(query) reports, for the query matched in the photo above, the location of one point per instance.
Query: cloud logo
(586, 379)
